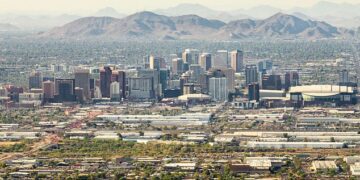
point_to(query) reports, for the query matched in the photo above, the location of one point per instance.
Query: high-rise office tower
(155, 75)
(92, 87)
(122, 84)
(251, 74)
(115, 91)
(205, 61)
(49, 90)
(196, 71)
(141, 88)
(271, 82)
(221, 60)
(177, 66)
(191, 56)
(65, 90)
(163, 77)
(254, 92)
(105, 81)
(237, 60)
(82, 80)
(229, 73)
(157, 63)
(218, 88)
(291, 79)
(35, 80)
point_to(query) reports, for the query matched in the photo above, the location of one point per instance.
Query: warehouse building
(295, 145)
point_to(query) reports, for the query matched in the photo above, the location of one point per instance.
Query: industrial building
(159, 120)
(295, 145)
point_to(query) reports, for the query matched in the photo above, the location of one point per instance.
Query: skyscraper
(163, 77)
(82, 80)
(237, 60)
(35, 80)
(177, 66)
(65, 90)
(122, 84)
(156, 63)
(251, 74)
(254, 92)
(49, 90)
(105, 81)
(196, 71)
(191, 56)
(271, 82)
(205, 61)
(218, 88)
(141, 88)
(291, 79)
(221, 59)
(115, 91)
(230, 76)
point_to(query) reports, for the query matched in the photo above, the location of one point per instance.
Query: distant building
(163, 79)
(177, 66)
(79, 93)
(188, 88)
(196, 72)
(237, 60)
(265, 65)
(271, 82)
(191, 56)
(251, 74)
(221, 60)
(49, 90)
(157, 63)
(65, 90)
(322, 94)
(120, 77)
(254, 92)
(205, 61)
(291, 79)
(105, 81)
(218, 89)
(35, 80)
(344, 76)
(82, 80)
(146, 61)
(323, 166)
(141, 88)
(115, 91)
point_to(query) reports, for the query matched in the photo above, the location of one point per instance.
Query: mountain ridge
(149, 25)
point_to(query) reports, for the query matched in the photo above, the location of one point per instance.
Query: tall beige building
(205, 61)
(237, 60)
(82, 80)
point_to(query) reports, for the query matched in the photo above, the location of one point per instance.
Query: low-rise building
(323, 166)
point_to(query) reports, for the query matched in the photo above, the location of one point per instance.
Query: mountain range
(148, 25)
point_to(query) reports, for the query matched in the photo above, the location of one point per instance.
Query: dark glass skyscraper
(105, 81)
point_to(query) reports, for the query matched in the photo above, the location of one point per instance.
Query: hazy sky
(129, 6)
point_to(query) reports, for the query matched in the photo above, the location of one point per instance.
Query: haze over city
(131, 6)
(179, 89)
